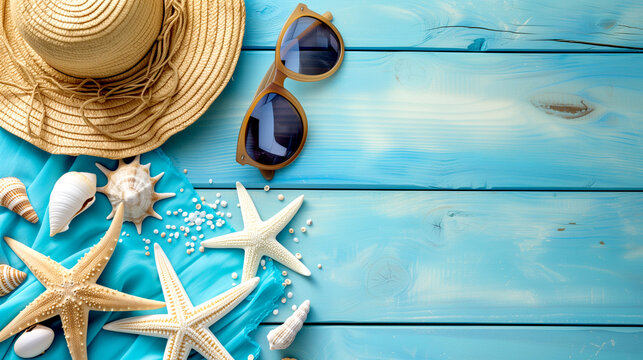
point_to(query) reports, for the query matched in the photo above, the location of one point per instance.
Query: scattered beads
(263, 262)
(229, 215)
(168, 212)
(201, 249)
(147, 253)
(288, 282)
(266, 188)
(198, 206)
(319, 266)
(291, 230)
(235, 275)
(218, 195)
(181, 189)
(185, 171)
(251, 357)
(298, 255)
(224, 203)
(275, 311)
(284, 273)
(147, 248)
(163, 234)
(156, 231)
(309, 222)
(303, 229)
(283, 300)
(210, 181)
(280, 197)
(295, 240)
(289, 295)
(294, 307)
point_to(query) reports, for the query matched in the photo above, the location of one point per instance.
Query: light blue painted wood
(523, 25)
(442, 120)
(462, 257)
(458, 342)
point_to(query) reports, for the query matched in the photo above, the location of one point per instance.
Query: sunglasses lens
(309, 47)
(275, 130)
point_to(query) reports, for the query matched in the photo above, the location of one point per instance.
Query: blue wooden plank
(442, 120)
(481, 25)
(458, 342)
(462, 257)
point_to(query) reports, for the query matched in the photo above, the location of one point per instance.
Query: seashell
(72, 194)
(10, 279)
(13, 196)
(282, 336)
(132, 185)
(34, 341)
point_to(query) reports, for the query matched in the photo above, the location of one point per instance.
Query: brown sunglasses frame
(273, 82)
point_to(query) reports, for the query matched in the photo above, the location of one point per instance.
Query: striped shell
(10, 279)
(13, 196)
(282, 336)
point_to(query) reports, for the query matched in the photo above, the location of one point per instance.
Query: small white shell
(72, 194)
(34, 341)
(13, 196)
(282, 336)
(10, 279)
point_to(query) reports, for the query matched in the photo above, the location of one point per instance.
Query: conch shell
(13, 196)
(132, 185)
(72, 194)
(10, 279)
(282, 336)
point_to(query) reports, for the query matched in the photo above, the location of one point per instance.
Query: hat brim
(205, 62)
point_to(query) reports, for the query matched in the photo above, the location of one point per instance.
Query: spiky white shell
(72, 194)
(34, 341)
(10, 279)
(132, 185)
(13, 196)
(282, 336)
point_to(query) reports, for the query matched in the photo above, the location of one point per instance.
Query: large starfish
(259, 238)
(71, 293)
(186, 327)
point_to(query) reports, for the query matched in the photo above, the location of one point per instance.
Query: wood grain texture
(463, 257)
(481, 25)
(442, 120)
(458, 342)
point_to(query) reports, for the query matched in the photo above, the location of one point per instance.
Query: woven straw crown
(113, 78)
(95, 39)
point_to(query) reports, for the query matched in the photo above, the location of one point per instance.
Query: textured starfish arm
(175, 297)
(208, 345)
(176, 348)
(234, 240)
(211, 311)
(91, 265)
(248, 210)
(251, 260)
(279, 221)
(159, 325)
(102, 298)
(279, 253)
(47, 271)
(41, 309)
(74, 323)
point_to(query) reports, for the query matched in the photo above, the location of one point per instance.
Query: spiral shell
(10, 279)
(132, 185)
(282, 336)
(72, 194)
(13, 196)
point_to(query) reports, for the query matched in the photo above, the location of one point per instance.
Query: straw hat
(112, 78)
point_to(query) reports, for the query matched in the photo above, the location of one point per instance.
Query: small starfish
(71, 293)
(186, 327)
(259, 238)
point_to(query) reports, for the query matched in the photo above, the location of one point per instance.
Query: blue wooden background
(474, 173)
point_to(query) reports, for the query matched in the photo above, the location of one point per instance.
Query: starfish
(71, 293)
(186, 327)
(259, 238)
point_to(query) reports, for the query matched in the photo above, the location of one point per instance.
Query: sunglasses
(274, 128)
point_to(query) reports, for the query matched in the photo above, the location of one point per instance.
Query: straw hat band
(89, 39)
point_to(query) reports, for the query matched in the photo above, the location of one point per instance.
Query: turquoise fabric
(204, 275)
